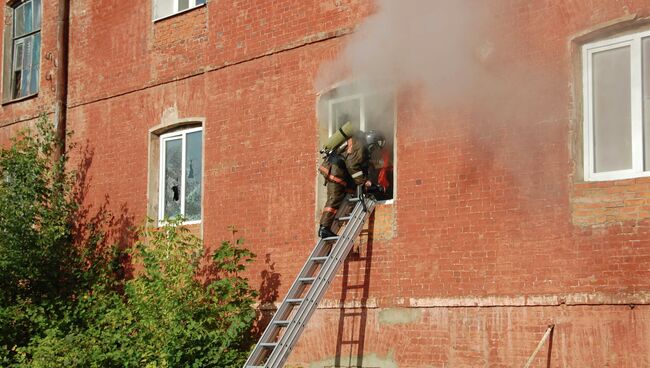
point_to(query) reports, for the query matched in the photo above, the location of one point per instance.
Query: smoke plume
(439, 45)
(467, 57)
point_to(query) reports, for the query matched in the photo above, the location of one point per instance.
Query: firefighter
(344, 169)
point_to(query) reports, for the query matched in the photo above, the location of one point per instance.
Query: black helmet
(375, 140)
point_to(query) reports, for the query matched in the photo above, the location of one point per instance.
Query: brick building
(503, 221)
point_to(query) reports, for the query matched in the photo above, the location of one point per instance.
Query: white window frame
(180, 134)
(634, 42)
(362, 114)
(175, 10)
(362, 125)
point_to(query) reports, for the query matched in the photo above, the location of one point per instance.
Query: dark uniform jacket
(348, 166)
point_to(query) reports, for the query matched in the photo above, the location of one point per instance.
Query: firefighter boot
(325, 232)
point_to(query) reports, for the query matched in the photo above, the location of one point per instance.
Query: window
(617, 108)
(22, 50)
(166, 8)
(374, 110)
(181, 175)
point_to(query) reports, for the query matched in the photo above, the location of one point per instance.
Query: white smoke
(459, 56)
(436, 44)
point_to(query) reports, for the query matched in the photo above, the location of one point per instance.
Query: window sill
(386, 202)
(179, 13)
(20, 99)
(594, 178)
(185, 223)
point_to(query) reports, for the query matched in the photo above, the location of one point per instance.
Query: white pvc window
(166, 8)
(367, 111)
(181, 164)
(617, 108)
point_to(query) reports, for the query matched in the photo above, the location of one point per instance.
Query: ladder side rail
(270, 328)
(285, 340)
(339, 252)
(337, 260)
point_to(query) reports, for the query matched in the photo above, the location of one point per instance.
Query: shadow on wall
(351, 335)
(102, 233)
(268, 295)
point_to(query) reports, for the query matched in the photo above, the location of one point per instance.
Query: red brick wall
(120, 49)
(492, 235)
(18, 113)
(584, 336)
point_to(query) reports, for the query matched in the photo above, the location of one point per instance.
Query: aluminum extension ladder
(307, 290)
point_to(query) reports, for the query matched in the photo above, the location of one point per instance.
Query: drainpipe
(61, 64)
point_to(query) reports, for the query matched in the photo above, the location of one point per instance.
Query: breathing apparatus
(337, 139)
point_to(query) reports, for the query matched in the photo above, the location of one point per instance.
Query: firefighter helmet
(375, 140)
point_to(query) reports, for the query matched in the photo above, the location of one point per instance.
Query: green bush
(166, 317)
(39, 265)
(58, 309)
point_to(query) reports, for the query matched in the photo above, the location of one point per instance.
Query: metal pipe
(61, 64)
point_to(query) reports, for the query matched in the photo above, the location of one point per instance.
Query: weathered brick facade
(493, 234)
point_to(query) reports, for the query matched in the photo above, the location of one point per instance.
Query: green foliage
(59, 305)
(35, 217)
(38, 261)
(166, 317)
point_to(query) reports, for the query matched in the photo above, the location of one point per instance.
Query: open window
(165, 8)
(22, 50)
(367, 108)
(180, 170)
(616, 76)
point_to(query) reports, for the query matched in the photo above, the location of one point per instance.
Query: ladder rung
(309, 287)
(269, 345)
(282, 323)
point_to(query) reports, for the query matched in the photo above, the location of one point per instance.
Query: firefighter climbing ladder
(307, 290)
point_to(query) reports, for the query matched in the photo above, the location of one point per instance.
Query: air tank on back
(340, 135)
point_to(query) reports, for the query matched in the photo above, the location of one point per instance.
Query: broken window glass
(182, 173)
(612, 110)
(172, 179)
(193, 175)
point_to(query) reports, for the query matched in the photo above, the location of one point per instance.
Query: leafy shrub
(60, 307)
(166, 317)
(38, 262)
